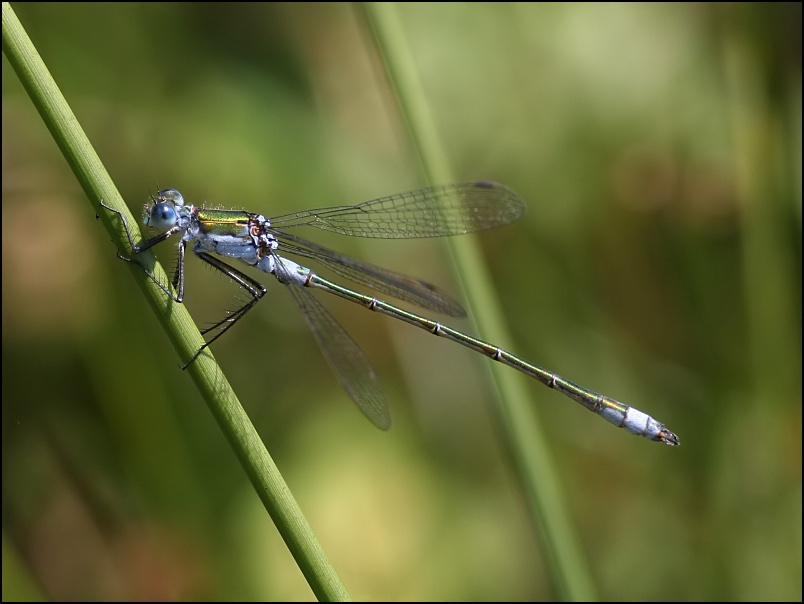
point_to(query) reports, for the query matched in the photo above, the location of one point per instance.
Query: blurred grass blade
(516, 412)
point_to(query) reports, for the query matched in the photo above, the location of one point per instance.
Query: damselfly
(261, 242)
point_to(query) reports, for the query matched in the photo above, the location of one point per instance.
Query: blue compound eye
(161, 216)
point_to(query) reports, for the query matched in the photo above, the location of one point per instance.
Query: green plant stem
(207, 375)
(517, 415)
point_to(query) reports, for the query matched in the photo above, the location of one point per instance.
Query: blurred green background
(658, 147)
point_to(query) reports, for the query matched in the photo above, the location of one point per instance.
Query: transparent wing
(402, 287)
(347, 361)
(432, 212)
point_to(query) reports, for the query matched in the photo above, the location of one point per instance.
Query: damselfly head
(162, 214)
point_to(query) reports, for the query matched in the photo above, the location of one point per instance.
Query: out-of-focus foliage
(658, 147)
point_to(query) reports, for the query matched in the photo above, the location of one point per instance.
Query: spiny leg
(178, 278)
(255, 289)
